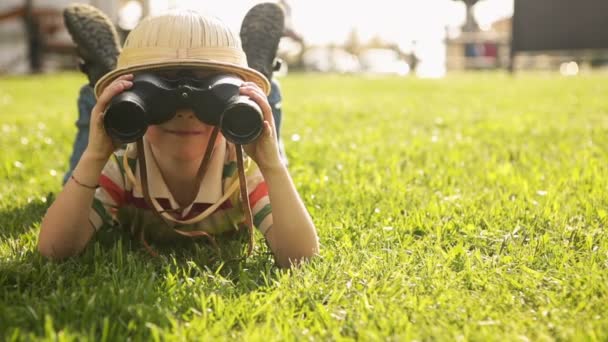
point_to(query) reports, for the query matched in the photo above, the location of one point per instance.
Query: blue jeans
(86, 102)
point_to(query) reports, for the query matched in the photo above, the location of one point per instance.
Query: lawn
(468, 208)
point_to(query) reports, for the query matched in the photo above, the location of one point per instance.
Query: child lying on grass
(181, 178)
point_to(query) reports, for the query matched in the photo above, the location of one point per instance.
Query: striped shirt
(119, 200)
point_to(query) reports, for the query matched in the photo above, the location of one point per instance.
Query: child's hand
(100, 144)
(264, 150)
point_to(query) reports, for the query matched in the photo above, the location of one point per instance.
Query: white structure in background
(324, 59)
(431, 57)
(13, 34)
(569, 68)
(383, 61)
(13, 43)
(130, 14)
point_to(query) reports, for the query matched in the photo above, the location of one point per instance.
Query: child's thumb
(268, 131)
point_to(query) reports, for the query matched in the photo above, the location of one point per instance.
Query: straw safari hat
(183, 39)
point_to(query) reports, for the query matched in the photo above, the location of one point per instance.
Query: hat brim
(247, 74)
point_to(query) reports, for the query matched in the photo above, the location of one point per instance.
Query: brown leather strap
(143, 174)
(200, 174)
(199, 177)
(143, 171)
(245, 197)
(204, 163)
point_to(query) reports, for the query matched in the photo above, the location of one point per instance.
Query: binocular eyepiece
(153, 100)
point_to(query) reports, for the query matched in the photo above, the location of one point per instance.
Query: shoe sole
(94, 35)
(261, 31)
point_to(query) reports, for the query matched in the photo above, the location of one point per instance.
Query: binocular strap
(245, 196)
(163, 215)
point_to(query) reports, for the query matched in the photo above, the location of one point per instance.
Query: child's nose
(185, 114)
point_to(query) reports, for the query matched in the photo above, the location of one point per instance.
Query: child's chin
(186, 143)
(184, 152)
(188, 155)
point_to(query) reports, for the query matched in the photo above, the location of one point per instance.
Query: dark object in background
(261, 31)
(543, 25)
(34, 38)
(95, 37)
(153, 100)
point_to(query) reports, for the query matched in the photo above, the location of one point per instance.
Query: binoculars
(154, 99)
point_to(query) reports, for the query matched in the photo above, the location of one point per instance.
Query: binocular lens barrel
(153, 100)
(125, 120)
(242, 121)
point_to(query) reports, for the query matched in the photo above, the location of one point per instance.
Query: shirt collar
(211, 186)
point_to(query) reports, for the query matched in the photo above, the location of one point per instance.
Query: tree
(353, 42)
(470, 24)
(376, 42)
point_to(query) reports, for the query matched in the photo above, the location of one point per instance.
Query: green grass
(468, 208)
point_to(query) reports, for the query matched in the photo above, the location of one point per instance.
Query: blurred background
(424, 38)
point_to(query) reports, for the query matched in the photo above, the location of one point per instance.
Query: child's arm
(292, 236)
(65, 229)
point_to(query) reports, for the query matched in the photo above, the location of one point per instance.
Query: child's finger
(261, 100)
(116, 87)
(126, 77)
(99, 120)
(268, 131)
(254, 87)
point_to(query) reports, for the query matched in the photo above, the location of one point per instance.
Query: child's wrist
(93, 161)
(268, 170)
(94, 157)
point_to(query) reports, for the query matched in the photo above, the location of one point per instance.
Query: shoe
(96, 39)
(261, 31)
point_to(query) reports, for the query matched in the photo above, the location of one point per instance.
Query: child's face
(184, 137)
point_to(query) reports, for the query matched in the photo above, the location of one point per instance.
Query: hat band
(153, 55)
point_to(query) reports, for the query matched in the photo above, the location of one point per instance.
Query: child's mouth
(183, 132)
